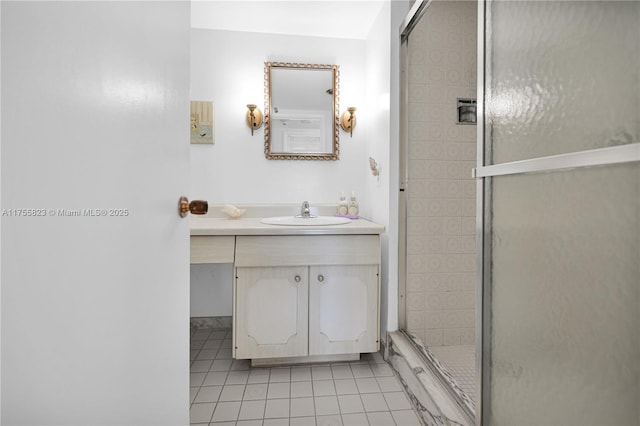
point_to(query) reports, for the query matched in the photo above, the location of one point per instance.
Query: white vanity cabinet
(343, 309)
(271, 312)
(306, 296)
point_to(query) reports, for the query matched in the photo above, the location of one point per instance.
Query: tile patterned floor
(460, 361)
(229, 392)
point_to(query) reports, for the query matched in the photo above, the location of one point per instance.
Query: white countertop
(251, 226)
(217, 223)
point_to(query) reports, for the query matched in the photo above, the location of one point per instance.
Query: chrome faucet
(305, 211)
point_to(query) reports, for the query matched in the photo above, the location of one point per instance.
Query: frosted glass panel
(562, 76)
(565, 291)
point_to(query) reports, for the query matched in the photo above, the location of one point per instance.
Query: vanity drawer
(307, 250)
(212, 249)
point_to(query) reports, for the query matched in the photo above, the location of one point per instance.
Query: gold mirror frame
(267, 113)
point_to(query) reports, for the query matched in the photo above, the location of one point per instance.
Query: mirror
(301, 111)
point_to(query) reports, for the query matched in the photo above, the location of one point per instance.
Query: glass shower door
(561, 214)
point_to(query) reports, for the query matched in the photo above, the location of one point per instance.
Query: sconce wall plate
(254, 117)
(348, 120)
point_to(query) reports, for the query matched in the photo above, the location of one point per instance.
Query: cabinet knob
(297, 278)
(320, 277)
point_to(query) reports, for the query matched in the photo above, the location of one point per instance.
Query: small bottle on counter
(343, 206)
(353, 205)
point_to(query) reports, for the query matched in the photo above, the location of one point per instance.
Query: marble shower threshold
(437, 398)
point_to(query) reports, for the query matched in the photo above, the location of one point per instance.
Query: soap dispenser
(343, 206)
(353, 205)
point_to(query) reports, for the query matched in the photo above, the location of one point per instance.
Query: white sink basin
(305, 221)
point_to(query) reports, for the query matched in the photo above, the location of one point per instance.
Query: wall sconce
(348, 120)
(376, 169)
(254, 117)
(373, 165)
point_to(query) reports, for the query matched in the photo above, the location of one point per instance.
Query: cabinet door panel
(343, 309)
(271, 312)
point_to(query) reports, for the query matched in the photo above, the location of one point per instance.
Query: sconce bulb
(348, 121)
(254, 117)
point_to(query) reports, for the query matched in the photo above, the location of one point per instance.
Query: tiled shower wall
(441, 200)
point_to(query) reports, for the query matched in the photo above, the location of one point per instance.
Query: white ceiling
(322, 18)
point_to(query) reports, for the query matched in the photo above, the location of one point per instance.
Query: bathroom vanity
(300, 293)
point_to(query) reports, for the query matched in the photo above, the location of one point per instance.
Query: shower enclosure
(438, 285)
(527, 274)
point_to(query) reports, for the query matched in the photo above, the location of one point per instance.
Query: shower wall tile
(453, 188)
(452, 282)
(468, 244)
(415, 301)
(415, 319)
(416, 226)
(416, 244)
(452, 336)
(467, 318)
(434, 282)
(467, 281)
(435, 188)
(418, 150)
(417, 188)
(418, 169)
(418, 74)
(434, 225)
(437, 95)
(435, 244)
(468, 225)
(435, 207)
(436, 263)
(453, 226)
(416, 264)
(452, 319)
(468, 336)
(435, 302)
(434, 148)
(434, 320)
(418, 207)
(418, 131)
(441, 192)
(433, 337)
(468, 188)
(416, 282)
(417, 92)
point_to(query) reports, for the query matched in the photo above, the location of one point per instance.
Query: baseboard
(211, 322)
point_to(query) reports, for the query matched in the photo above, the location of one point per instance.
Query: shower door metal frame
(482, 300)
(483, 246)
(415, 13)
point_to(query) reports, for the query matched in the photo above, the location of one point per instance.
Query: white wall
(397, 12)
(378, 99)
(227, 67)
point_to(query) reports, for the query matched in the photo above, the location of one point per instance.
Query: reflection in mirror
(301, 111)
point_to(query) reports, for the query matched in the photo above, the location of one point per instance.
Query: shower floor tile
(460, 361)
